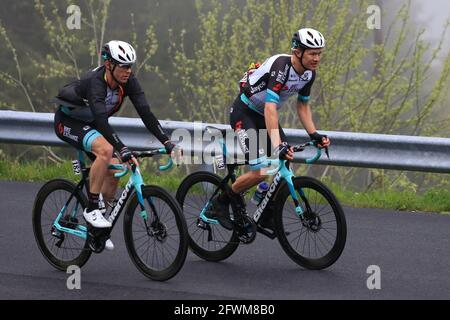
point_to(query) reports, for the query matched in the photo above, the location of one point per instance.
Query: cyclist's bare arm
(271, 118)
(305, 117)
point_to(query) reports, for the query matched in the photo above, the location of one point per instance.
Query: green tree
(366, 83)
(35, 77)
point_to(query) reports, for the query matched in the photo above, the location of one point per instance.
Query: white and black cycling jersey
(275, 81)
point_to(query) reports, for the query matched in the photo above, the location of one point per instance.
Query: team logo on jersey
(279, 87)
(281, 77)
(258, 88)
(307, 76)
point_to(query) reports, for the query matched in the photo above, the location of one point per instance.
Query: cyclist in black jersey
(81, 120)
(263, 90)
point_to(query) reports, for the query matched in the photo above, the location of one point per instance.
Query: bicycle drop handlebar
(141, 154)
(297, 148)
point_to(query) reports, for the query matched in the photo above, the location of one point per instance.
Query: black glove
(282, 150)
(317, 137)
(172, 147)
(125, 154)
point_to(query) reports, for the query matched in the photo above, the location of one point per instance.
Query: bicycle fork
(155, 228)
(287, 175)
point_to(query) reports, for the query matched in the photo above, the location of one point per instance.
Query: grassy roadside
(32, 171)
(433, 200)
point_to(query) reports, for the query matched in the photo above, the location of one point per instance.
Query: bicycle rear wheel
(157, 246)
(214, 243)
(317, 239)
(61, 249)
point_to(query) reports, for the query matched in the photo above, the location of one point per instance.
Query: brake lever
(326, 149)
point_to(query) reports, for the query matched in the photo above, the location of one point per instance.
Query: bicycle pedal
(96, 245)
(270, 235)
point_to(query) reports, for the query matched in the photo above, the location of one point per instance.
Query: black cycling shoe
(219, 210)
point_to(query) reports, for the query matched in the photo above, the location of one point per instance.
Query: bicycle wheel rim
(317, 242)
(158, 256)
(73, 250)
(193, 203)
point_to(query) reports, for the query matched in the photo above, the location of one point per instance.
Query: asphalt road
(412, 251)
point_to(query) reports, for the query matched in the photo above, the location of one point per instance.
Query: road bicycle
(154, 227)
(307, 218)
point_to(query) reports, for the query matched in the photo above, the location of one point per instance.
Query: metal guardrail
(413, 153)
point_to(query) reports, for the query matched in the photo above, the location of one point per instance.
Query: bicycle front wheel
(61, 249)
(316, 239)
(212, 242)
(158, 243)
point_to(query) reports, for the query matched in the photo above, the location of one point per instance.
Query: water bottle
(260, 193)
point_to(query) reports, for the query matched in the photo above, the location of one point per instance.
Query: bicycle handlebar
(297, 148)
(122, 167)
(302, 147)
(151, 153)
(141, 154)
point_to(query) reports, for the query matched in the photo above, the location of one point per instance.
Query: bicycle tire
(42, 196)
(191, 216)
(150, 271)
(309, 185)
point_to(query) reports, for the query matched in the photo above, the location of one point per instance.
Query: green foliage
(42, 171)
(362, 86)
(68, 53)
(369, 80)
(379, 81)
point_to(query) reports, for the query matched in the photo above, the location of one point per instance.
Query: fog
(431, 15)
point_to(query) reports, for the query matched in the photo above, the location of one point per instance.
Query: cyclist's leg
(247, 123)
(83, 137)
(110, 183)
(102, 149)
(103, 154)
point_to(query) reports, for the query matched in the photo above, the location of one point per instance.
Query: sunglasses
(124, 66)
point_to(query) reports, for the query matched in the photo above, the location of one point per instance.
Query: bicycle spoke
(154, 253)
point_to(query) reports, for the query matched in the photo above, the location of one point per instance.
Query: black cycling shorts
(77, 133)
(250, 128)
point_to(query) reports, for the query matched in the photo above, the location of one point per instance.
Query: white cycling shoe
(96, 219)
(109, 245)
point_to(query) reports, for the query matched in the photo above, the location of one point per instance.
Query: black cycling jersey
(90, 100)
(248, 124)
(275, 81)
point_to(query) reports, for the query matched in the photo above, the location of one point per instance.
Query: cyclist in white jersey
(263, 90)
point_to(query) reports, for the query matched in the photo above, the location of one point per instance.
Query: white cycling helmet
(119, 52)
(308, 38)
